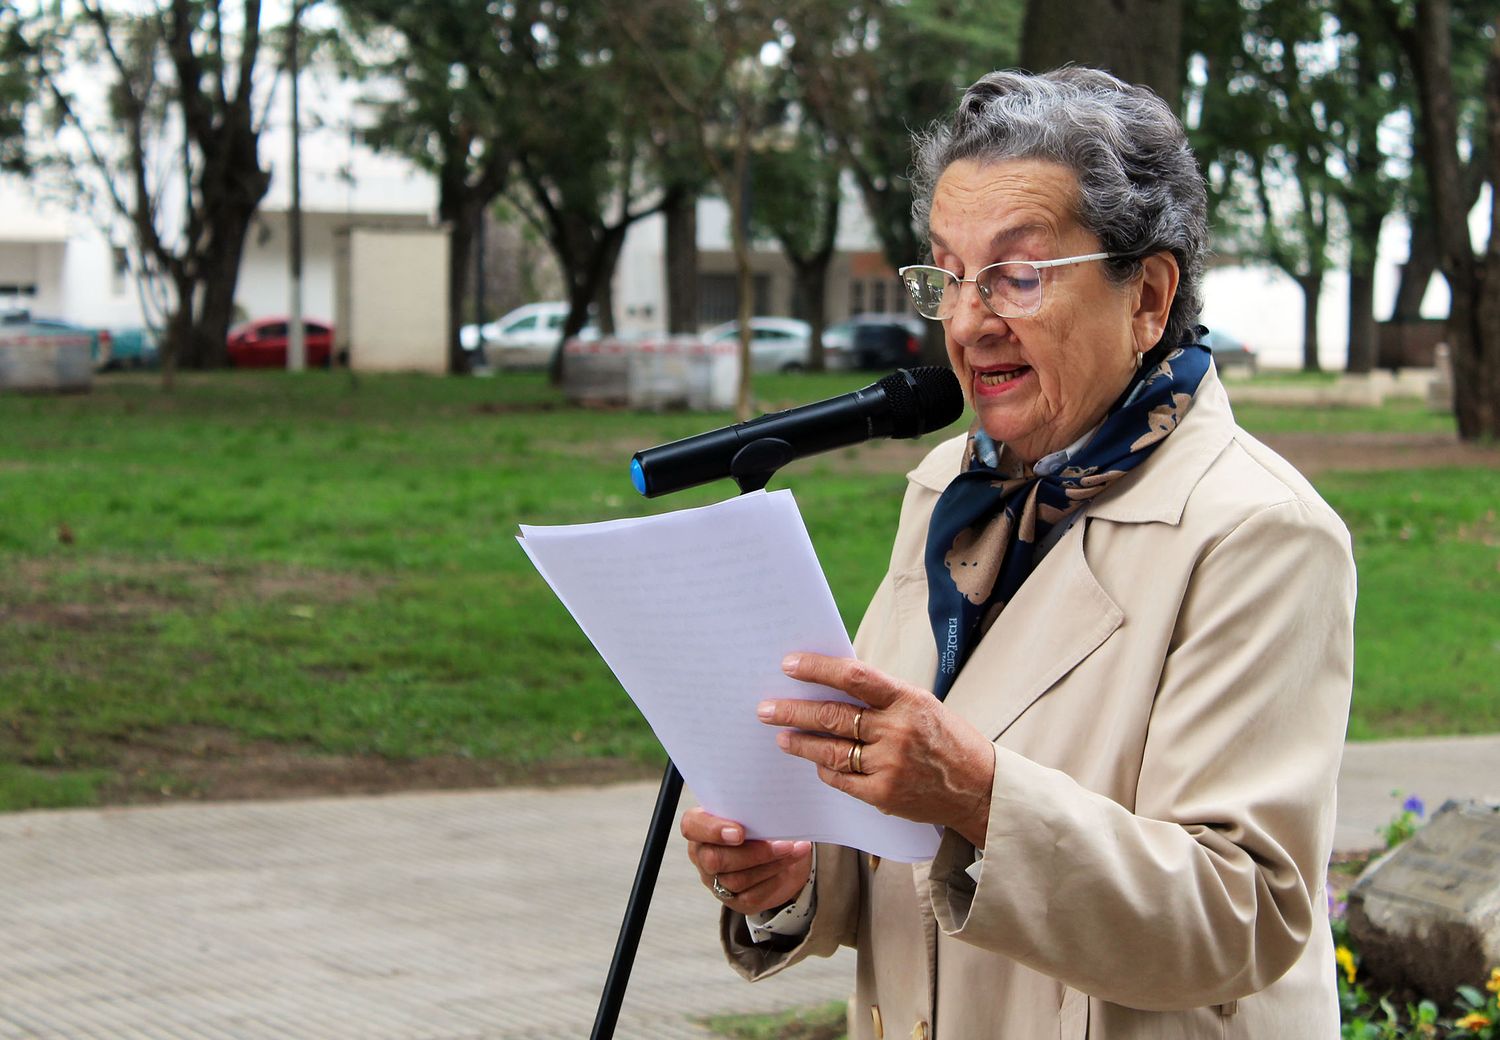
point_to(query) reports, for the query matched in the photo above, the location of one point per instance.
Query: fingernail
(765, 709)
(790, 662)
(801, 848)
(730, 835)
(783, 740)
(781, 848)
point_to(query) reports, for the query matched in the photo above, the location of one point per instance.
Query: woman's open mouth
(1000, 378)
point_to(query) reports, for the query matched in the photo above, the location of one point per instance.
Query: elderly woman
(1112, 656)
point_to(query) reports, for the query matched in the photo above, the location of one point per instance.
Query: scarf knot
(984, 530)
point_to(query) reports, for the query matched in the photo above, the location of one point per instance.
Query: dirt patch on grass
(1315, 453)
(106, 593)
(203, 764)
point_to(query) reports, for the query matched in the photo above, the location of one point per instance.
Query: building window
(717, 300)
(119, 269)
(856, 296)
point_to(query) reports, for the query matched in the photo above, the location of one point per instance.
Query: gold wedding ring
(855, 751)
(858, 718)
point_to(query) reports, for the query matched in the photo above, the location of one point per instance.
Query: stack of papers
(693, 611)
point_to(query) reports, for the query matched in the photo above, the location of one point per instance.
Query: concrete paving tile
(452, 916)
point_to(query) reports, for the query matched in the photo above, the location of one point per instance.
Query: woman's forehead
(1013, 202)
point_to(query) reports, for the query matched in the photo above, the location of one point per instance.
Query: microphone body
(906, 403)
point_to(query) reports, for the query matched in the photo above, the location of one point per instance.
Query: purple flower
(1414, 805)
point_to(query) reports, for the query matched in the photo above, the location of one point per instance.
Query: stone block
(1426, 916)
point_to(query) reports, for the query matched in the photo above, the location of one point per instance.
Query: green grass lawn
(331, 565)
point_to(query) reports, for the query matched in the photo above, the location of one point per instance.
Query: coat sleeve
(1204, 893)
(835, 920)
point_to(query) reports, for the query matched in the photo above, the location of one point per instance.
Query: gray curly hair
(1139, 187)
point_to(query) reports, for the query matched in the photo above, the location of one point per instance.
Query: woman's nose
(972, 317)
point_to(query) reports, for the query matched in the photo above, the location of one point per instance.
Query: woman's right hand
(761, 874)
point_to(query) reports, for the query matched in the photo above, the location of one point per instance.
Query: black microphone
(906, 403)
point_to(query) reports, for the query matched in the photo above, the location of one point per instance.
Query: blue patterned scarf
(983, 534)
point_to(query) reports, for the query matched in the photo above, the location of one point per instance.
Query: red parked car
(262, 343)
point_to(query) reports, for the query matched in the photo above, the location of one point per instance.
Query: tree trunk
(460, 208)
(1474, 317)
(588, 266)
(812, 296)
(743, 282)
(1363, 331)
(682, 265)
(1417, 272)
(610, 245)
(1138, 40)
(1312, 292)
(1365, 223)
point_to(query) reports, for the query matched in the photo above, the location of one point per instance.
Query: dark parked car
(1230, 352)
(262, 343)
(884, 341)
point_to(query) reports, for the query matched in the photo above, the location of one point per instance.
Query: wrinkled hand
(761, 874)
(919, 760)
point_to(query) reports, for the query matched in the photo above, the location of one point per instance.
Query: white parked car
(778, 344)
(524, 338)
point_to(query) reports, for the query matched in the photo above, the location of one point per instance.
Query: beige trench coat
(1168, 695)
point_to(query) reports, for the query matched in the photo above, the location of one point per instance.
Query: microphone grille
(922, 399)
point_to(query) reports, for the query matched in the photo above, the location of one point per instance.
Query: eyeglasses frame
(1040, 265)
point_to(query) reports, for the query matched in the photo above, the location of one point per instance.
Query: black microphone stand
(752, 468)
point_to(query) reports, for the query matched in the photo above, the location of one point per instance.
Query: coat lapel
(1062, 614)
(1059, 617)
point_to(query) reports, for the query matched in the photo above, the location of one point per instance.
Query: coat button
(878, 1025)
(919, 1031)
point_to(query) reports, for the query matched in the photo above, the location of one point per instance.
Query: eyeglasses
(1011, 288)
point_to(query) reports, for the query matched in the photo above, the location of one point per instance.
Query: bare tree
(159, 113)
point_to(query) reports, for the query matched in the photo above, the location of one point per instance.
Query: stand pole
(752, 469)
(640, 903)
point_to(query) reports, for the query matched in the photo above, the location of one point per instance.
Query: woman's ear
(1155, 292)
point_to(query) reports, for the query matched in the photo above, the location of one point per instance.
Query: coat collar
(1155, 492)
(1061, 618)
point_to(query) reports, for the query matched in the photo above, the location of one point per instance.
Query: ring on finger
(856, 750)
(720, 891)
(858, 718)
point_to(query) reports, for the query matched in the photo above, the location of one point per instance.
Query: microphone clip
(756, 463)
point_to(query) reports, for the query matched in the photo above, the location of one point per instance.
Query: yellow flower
(1345, 957)
(1494, 984)
(1473, 1021)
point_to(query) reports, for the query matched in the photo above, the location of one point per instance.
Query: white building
(59, 260)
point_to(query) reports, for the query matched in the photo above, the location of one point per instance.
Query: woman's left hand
(915, 758)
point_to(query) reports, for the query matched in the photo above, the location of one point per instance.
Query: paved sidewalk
(453, 916)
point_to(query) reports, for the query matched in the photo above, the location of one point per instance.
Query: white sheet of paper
(693, 611)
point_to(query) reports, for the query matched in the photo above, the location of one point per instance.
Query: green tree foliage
(455, 109)
(705, 57)
(599, 149)
(1266, 105)
(796, 195)
(872, 71)
(169, 145)
(15, 92)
